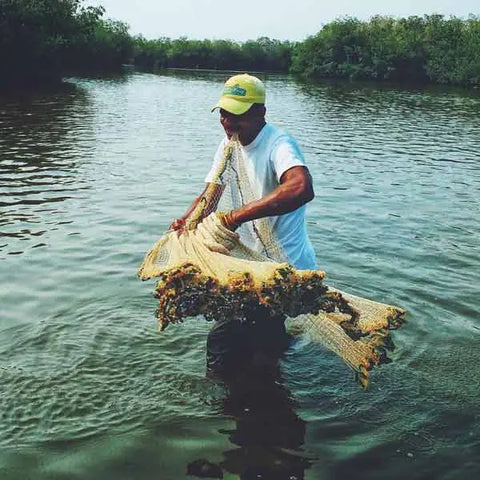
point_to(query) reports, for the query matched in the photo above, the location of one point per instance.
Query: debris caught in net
(196, 277)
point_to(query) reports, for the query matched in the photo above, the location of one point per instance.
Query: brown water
(92, 173)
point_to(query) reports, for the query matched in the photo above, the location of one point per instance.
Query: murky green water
(93, 173)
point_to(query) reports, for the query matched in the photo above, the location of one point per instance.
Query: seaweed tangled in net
(185, 291)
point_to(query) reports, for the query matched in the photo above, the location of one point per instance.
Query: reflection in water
(44, 138)
(268, 432)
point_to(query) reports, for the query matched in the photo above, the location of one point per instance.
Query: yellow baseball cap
(240, 92)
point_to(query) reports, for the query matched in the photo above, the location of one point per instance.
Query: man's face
(246, 125)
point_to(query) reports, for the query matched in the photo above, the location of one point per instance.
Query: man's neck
(253, 134)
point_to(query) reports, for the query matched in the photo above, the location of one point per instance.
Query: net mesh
(195, 277)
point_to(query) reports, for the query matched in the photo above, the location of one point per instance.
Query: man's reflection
(269, 434)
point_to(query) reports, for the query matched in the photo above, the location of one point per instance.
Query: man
(283, 182)
(283, 186)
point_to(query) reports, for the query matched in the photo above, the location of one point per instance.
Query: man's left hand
(228, 220)
(215, 235)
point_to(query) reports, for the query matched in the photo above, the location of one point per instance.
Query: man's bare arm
(179, 223)
(295, 190)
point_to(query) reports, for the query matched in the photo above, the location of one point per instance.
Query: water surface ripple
(92, 173)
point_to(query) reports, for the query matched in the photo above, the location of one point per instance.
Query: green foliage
(99, 45)
(262, 54)
(414, 49)
(43, 39)
(151, 54)
(453, 50)
(266, 54)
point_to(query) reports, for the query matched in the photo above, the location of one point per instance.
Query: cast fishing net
(197, 276)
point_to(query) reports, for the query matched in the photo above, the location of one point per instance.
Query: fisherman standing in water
(282, 186)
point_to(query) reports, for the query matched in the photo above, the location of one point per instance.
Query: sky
(242, 20)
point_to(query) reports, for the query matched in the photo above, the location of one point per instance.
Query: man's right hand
(178, 225)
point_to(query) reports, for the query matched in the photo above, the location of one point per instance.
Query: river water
(93, 172)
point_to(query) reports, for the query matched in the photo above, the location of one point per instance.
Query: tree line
(47, 39)
(42, 40)
(431, 48)
(263, 54)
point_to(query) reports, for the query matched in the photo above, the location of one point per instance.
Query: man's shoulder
(285, 150)
(279, 133)
(274, 131)
(276, 135)
(281, 139)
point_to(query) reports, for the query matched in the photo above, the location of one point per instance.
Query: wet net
(211, 271)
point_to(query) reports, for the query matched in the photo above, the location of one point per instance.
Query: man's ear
(258, 110)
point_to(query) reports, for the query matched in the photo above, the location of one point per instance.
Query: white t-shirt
(271, 154)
